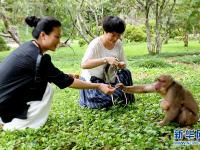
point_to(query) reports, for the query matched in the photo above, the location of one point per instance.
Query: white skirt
(37, 113)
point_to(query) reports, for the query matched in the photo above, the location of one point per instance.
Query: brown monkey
(178, 103)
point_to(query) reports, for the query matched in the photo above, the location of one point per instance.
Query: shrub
(134, 33)
(175, 33)
(3, 45)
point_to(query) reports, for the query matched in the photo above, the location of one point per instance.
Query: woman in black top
(25, 92)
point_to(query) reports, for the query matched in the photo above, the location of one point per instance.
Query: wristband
(105, 60)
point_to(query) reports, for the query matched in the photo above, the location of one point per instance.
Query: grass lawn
(70, 126)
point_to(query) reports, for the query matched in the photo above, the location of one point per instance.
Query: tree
(10, 31)
(161, 12)
(187, 16)
(86, 16)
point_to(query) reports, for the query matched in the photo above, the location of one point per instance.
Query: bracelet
(105, 60)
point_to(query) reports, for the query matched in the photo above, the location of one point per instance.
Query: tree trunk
(185, 39)
(81, 32)
(158, 43)
(199, 38)
(148, 32)
(168, 30)
(75, 26)
(149, 45)
(93, 10)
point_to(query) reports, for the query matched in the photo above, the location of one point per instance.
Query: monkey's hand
(164, 104)
(161, 123)
(150, 87)
(120, 85)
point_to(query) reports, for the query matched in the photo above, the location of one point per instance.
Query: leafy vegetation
(152, 21)
(70, 126)
(3, 45)
(154, 64)
(134, 33)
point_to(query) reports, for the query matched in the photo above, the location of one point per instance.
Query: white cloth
(97, 50)
(37, 114)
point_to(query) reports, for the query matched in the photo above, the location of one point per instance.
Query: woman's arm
(92, 63)
(79, 84)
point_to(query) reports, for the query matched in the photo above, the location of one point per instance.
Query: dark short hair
(114, 24)
(45, 24)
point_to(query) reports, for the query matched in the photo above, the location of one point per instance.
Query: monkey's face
(163, 82)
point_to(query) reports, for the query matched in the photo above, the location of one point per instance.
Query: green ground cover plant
(70, 126)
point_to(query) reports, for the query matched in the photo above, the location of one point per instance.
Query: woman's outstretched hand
(76, 76)
(106, 89)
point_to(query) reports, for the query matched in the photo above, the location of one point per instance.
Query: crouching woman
(104, 62)
(26, 74)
